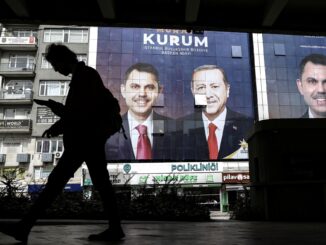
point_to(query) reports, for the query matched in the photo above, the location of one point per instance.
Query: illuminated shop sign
(162, 179)
(236, 177)
(166, 167)
(194, 167)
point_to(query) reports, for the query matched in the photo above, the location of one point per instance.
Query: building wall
(15, 143)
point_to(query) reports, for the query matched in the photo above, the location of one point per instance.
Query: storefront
(201, 180)
(233, 189)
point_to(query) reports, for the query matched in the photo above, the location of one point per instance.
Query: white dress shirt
(310, 114)
(134, 134)
(219, 122)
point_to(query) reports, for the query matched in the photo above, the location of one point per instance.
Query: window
(22, 62)
(49, 146)
(24, 33)
(46, 65)
(54, 88)
(66, 35)
(19, 87)
(42, 172)
(14, 145)
(17, 113)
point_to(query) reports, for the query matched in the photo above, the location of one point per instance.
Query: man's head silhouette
(61, 58)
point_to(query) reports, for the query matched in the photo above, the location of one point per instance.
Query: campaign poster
(295, 69)
(178, 83)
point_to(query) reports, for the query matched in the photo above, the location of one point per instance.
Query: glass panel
(39, 146)
(46, 146)
(9, 113)
(21, 62)
(53, 145)
(42, 89)
(37, 172)
(47, 36)
(53, 89)
(60, 145)
(46, 172)
(56, 35)
(75, 36)
(12, 148)
(45, 64)
(85, 36)
(21, 114)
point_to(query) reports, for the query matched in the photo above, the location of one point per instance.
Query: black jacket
(82, 121)
(163, 148)
(194, 143)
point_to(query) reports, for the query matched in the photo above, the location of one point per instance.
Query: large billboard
(295, 68)
(185, 96)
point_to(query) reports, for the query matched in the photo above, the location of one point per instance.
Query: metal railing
(18, 40)
(6, 67)
(16, 95)
(9, 125)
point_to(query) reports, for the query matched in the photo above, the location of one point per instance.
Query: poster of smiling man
(184, 95)
(295, 72)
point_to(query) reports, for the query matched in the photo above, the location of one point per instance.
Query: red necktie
(212, 142)
(143, 145)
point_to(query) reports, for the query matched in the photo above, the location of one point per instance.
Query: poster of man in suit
(141, 89)
(169, 109)
(218, 131)
(295, 71)
(312, 85)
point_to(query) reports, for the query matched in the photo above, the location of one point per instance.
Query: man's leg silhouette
(60, 175)
(62, 172)
(97, 167)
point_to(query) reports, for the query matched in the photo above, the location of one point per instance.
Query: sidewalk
(222, 232)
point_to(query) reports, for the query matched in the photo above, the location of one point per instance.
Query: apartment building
(26, 75)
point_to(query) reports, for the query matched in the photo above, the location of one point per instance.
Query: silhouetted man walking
(84, 132)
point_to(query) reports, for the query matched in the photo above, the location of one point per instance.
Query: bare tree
(11, 181)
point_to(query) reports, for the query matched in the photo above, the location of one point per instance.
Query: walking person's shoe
(16, 231)
(108, 235)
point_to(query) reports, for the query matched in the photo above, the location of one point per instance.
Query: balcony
(15, 126)
(47, 157)
(18, 43)
(23, 158)
(16, 97)
(23, 71)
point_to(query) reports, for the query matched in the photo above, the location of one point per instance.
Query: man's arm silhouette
(56, 107)
(55, 130)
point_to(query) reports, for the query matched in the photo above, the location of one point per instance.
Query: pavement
(219, 232)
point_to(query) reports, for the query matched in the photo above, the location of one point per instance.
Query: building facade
(26, 75)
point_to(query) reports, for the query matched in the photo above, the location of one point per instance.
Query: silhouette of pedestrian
(84, 136)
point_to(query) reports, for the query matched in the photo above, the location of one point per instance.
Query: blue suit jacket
(117, 148)
(194, 143)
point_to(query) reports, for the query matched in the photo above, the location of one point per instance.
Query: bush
(13, 207)
(142, 203)
(164, 203)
